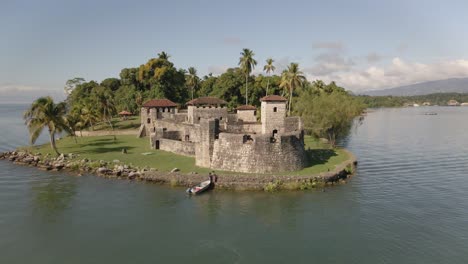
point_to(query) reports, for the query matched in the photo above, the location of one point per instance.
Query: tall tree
(291, 79)
(44, 112)
(72, 121)
(269, 68)
(105, 105)
(192, 79)
(247, 64)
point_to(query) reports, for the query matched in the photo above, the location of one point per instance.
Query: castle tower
(209, 130)
(156, 109)
(273, 114)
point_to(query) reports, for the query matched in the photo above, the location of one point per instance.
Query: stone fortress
(222, 140)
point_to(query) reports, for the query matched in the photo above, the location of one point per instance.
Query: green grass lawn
(321, 157)
(105, 148)
(132, 122)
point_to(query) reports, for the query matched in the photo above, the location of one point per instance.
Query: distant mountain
(454, 85)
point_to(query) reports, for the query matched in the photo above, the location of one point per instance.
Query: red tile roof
(273, 98)
(246, 107)
(206, 101)
(160, 103)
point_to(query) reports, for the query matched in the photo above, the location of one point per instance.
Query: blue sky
(363, 45)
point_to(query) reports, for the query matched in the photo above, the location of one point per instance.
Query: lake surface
(408, 203)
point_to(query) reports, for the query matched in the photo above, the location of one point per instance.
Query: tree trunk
(331, 137)
(112, 127)
(193, 87)
(268, 84)
(52, 142)
(246, 90)
(290, 99)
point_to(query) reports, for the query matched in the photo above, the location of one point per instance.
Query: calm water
(407, 204)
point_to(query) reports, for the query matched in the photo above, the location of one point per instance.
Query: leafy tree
(71, 84)
(247, 64)
(160, 79)
(81, 92)
(227, 87)
(129, 77)
(42, 113)
(112, 83)
(291, 79)
(192, 79)
(207, 85)
(328, 115)
(269, 68)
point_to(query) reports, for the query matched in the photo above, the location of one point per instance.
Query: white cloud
(217, 69)
(396, 73)
(12, 88)
(330, 62)
(19, 93)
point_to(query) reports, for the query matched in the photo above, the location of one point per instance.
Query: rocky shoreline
(232, 181)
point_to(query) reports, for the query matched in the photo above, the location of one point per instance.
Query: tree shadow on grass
(109, 149)
(319, 156)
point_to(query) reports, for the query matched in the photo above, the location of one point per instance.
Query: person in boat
(213, 179)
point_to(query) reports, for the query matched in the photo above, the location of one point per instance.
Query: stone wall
(174, 135)
(247, 115)
(273, 115)
(232, 117)
(258, 153)
(196, 113)
(241, 127)
(292, 124)
(180, 117)
(147, 117)
(209, 130)
(184, 129)
(178, 147)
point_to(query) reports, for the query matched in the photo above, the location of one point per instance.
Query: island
(176, 128)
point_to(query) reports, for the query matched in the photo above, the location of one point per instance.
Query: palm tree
(88, 117)
(268, 68)
(45, 113)
(291, 79)
(192, 79)
(72, 121)
(105, 105)
(247, 64)
(163, 55)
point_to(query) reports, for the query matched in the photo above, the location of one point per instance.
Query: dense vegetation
(327, 111)
(399, 101)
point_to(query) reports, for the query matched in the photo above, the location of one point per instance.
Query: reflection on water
(53, 194)
(407, 204)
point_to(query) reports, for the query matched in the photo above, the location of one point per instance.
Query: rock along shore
(232, 181)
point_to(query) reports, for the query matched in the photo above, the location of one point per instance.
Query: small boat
(430, 113)
(203, 186)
